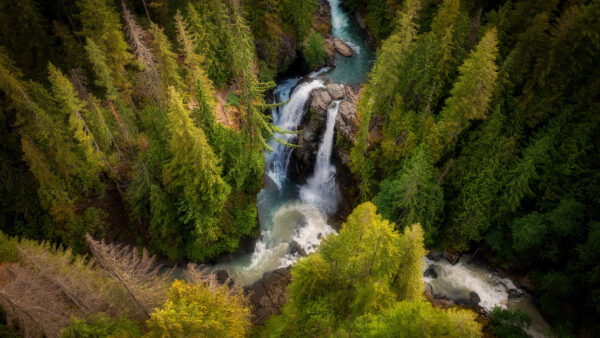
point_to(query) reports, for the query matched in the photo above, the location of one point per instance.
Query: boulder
(515, 293)
(474, 298)
(428, 291)
(430, 272)
(342, 47)
(452, 257)
(320, 100)
(268, 294)
(295, 249)
(336, 91)
(472, 301)
(435, 255)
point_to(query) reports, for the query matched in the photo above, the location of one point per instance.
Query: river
(293, 215)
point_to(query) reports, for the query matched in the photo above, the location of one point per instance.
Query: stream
(294, 216)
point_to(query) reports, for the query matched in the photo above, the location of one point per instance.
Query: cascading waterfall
(287, 117)
(284, 219)
(321, 189)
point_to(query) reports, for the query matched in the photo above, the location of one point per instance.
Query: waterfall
(321, 189)
(287, 117)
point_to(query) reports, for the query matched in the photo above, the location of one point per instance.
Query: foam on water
(457, 281)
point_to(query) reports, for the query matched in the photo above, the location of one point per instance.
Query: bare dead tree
(76, 277)
(143, 53)
(31, 303)
(200, 274)
(141, 276)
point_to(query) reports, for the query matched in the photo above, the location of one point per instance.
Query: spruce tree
(100, 23)
(470, 97)
(193, 173)
(166, 59)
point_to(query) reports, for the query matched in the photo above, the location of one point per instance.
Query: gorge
(296, 212)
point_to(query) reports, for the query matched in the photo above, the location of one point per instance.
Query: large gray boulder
(336, 91)
(342, 47)
(268, 294)
(320, 100)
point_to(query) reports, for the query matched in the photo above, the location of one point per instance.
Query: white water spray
(321, 189)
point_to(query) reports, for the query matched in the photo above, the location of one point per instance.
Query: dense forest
(133, 148)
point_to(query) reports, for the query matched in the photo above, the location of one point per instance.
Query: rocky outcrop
(342, 47)
(313, 126)
(268, 294)
(346, 125)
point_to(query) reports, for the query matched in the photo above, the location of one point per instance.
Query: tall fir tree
(193, 173)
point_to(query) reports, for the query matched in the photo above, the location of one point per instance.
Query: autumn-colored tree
(200, 310)
(365, 269)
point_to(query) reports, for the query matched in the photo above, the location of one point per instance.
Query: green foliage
(194, 174)
(92, 221)
(101, 326)
(314, 51)
(166, 59)
(509, 323)
(299, 15)
(471, 95)
(414, 197)
(209, 26)
(8, 248)
(101, 24)
(419, 319)
(199, 311)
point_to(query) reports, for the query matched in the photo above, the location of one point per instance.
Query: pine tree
(139, 275)
(470, 97)
(193, 173)
(255, 123)
(100, 23)
(300, 15)
(74, 112)
(166, 58)
(105, 80)
(209, 23)
(196, 77)
(413, 196)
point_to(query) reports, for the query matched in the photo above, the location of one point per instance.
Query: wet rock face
(268, 294)
(313, 126)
